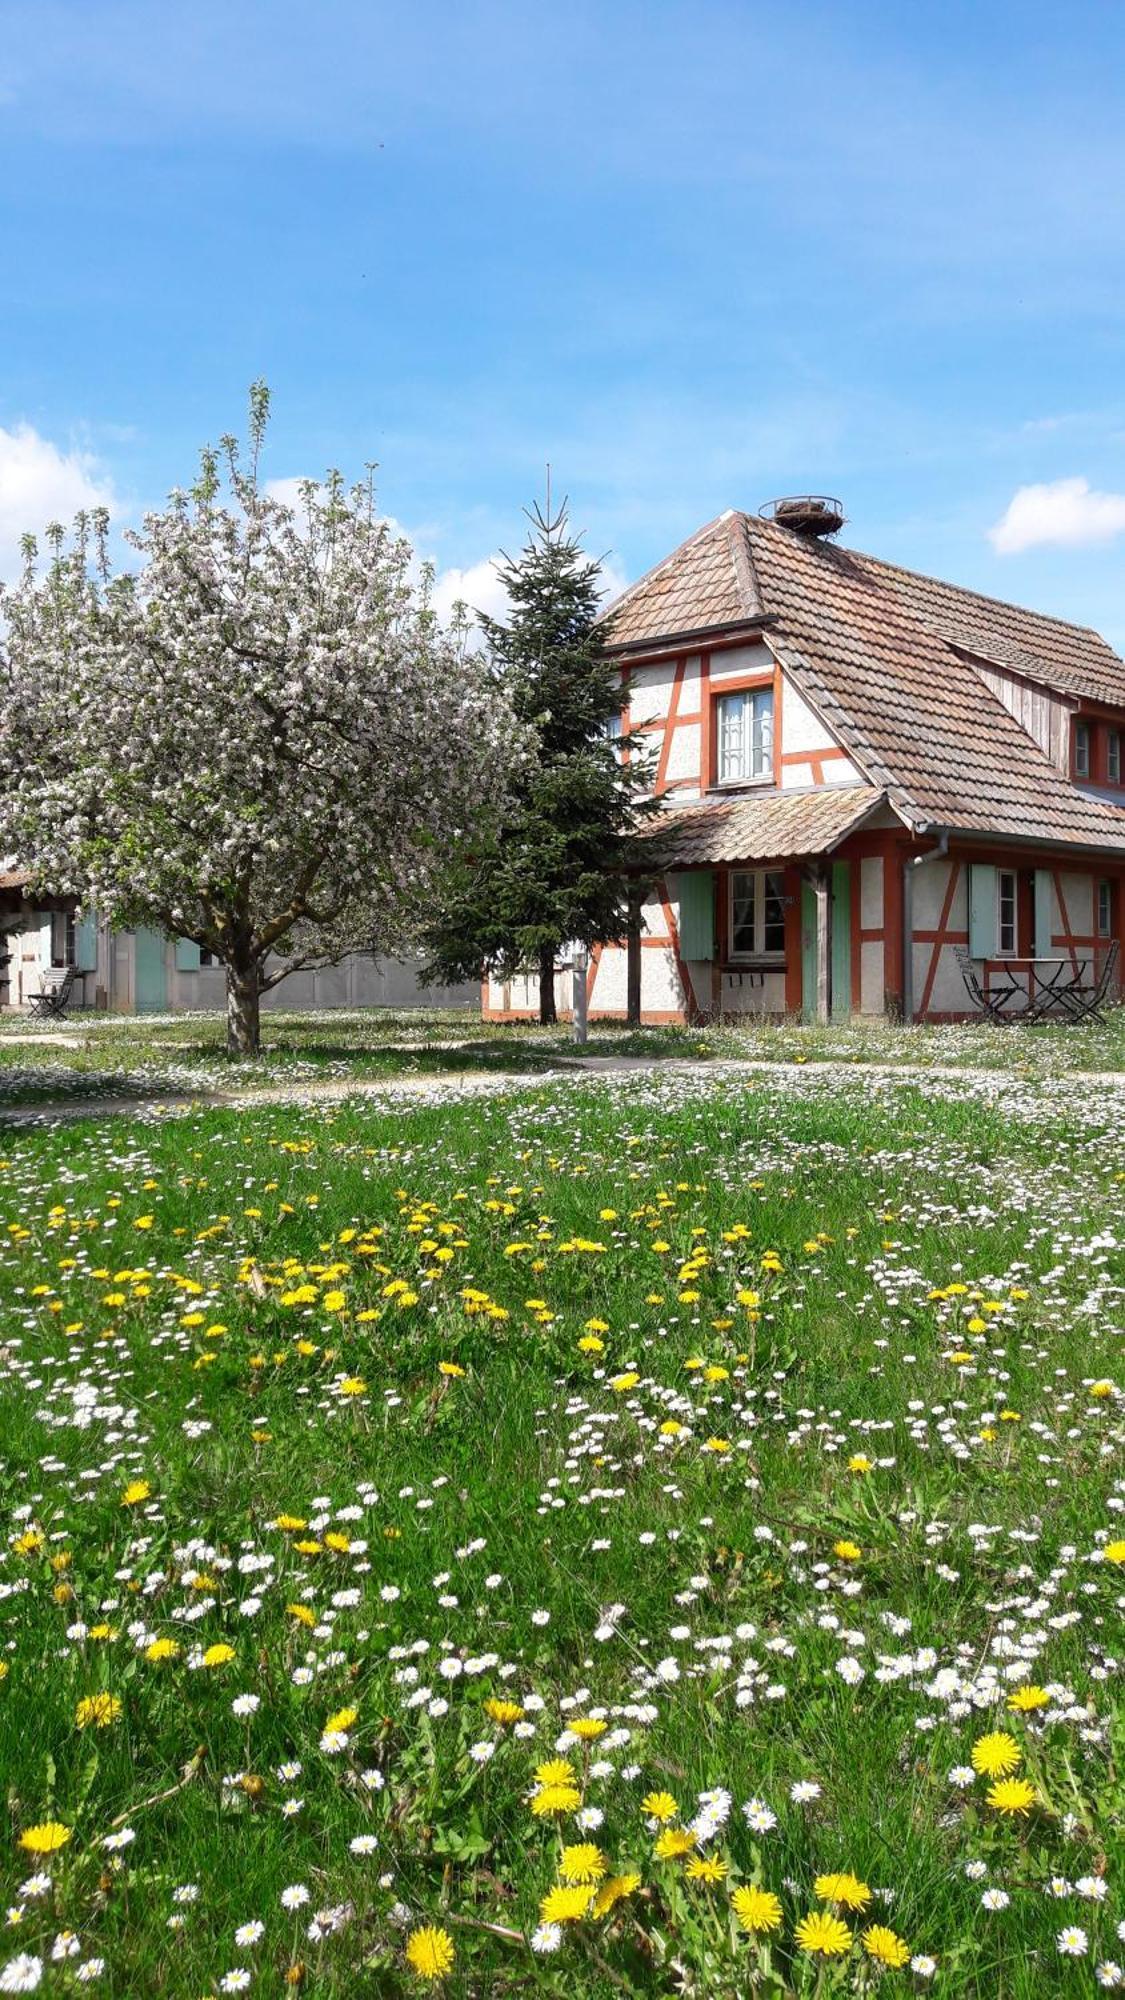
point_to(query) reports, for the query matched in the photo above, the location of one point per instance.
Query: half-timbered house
(862, 771)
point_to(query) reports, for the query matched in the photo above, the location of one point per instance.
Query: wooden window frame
(1103, 895)
(65, 954)
(758, 955)
(751, 691)
(1112, 755)
(1007, 950)
(1083, 742)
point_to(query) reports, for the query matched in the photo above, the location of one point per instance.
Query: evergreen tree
(552, 872)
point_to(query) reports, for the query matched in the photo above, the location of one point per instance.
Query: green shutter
(1044, 913)
(697, 914)
(841, 940)
(982, 910)
(85, 945)
(187, 955)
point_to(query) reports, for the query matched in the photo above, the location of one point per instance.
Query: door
(150, 992)
(841, 940)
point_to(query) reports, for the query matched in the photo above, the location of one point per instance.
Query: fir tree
(553, 871)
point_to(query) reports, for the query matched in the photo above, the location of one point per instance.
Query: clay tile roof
(707, 583)
(14, 878)
(887, 658)
(767, 826)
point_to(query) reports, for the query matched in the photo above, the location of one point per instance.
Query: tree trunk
(547, 1014)
(633, 961)
(244, 1037)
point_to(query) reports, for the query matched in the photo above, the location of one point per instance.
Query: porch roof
(764, 826)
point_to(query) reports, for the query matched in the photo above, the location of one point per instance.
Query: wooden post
(578, 1003)
(633, 961)
(823, 945)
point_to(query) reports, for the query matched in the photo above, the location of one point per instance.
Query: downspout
(937, 853)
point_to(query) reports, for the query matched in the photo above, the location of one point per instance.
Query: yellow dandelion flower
(1025, 1700)
(848, 1552)
(353, 1385)
(584, 1862)
(162, 1649)
(859, 1462)
(551, 1799)
(843, 1888)
(136, 1491)
(1114, 1552)
(823, 1936)
(660, 1805)
(623, 1382)
(885, 1945)
(97, 1711)
(995, 1756)
(429, 1952)
(566, 1904)
(503, 1712)
(46, 1838)
(706, 1868)
(756, 1909)
(218, 1655)
(674, 1843)
(613, 1891)
(1012, 1795)
(587, 1728)
(450, 1368)
(557, 1771)
(303, 1613)
(343, 1719)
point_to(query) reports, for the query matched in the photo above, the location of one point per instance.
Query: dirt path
(408, 1089)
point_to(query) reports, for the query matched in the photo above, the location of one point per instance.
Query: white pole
(578, 1003)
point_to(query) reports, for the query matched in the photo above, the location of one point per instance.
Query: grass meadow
(661, 1535)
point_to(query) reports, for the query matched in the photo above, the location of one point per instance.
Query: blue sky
(694, 254)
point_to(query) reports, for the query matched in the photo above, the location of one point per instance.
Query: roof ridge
(982, 596)
(742, 555)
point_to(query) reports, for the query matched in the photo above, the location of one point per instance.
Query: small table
(1057, 980)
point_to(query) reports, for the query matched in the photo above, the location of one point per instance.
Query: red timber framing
(701, 713)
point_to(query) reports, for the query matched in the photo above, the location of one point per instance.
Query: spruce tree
(552, 872)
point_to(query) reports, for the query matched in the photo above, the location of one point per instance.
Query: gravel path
(336, 1090)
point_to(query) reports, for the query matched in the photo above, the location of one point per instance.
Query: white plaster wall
(797, 777)
(731, 661)
(684, 755)
(743, 995)
(802, 728)
(650, 690)
(1079, 894)
(840, 771)
(871, 978)
(871, 892)
(930, 885)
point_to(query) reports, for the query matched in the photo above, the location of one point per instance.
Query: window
(62, 937)
(757, 914)
(745, 736)
(1081, 749)
(1006, 913)
(1113, 756)
(206, 958)
(1105, 909)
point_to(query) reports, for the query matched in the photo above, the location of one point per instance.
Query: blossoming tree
(261, 740)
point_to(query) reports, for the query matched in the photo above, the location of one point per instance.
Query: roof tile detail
(766, 826)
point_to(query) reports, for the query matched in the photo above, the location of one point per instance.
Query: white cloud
(40, 483)
(1065, 512)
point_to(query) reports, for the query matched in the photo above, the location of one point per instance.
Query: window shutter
(187, 955)
(1044, 913)
(85, 945)
(697, 914)
(982, 910)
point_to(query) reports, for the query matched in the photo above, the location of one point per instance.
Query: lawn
(660, 1535)
(126, 1056)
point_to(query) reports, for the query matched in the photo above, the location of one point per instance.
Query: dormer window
(745, 736)
(1081, 749)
